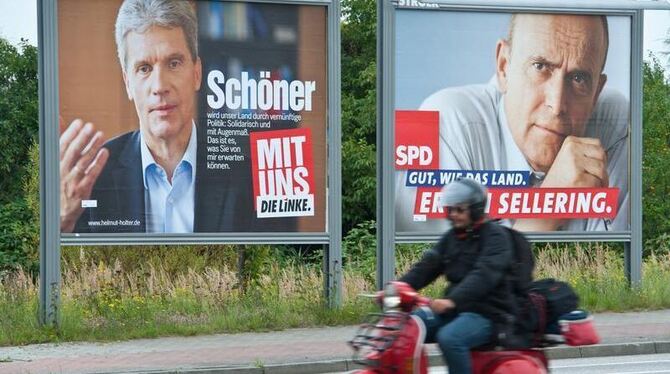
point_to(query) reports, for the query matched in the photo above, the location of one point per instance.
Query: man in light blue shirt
(155, 179)
(157, 50)
(169, 203)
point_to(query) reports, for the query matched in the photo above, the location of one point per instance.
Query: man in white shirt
(547, 112)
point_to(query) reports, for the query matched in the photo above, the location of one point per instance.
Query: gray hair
(139, 15)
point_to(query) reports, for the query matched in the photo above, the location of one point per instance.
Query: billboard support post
(333, 273)
(51, 239)
(50, 277)
(626, 261)
(634, 247)
(385, 136)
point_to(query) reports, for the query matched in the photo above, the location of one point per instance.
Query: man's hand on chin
(82, 158)
(581, 162)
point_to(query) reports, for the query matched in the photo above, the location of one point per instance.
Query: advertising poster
(192, 116)
(534, 106)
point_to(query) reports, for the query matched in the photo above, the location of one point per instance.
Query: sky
(18, 19)
(656, 25)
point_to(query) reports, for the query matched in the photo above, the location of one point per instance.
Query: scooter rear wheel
(525, 365)
(509, 362)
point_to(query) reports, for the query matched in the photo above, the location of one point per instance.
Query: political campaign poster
(535, 106)
(192, 116)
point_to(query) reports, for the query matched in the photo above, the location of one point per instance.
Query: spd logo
(416, 139)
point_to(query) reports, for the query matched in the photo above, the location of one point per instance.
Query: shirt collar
(189, 156)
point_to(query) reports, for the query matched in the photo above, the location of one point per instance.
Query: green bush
(19, 223)
(16, 248)
(359, 247)
(19, 163)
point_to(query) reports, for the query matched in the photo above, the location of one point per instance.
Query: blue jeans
(456, 336)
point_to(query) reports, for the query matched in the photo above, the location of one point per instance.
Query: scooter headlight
(391, 297)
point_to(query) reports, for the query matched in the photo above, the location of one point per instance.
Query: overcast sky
(18, 19)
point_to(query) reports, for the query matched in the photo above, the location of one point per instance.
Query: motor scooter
(392, 341)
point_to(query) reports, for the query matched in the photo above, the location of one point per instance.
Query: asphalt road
(639, 364)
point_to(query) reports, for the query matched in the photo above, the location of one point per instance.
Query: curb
(435, 359)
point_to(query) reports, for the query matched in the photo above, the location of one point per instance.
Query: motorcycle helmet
(466, 191)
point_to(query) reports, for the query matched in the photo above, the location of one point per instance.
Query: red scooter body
(406, 355)
(392, 341)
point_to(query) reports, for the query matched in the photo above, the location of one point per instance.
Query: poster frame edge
(320, 237)
(387, 63)
(541, 4)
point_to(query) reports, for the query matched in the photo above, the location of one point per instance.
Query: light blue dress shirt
(169, 207)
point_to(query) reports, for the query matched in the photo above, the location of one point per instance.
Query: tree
(359, 73)
(656, 158)
(19, 217)
(18, 114)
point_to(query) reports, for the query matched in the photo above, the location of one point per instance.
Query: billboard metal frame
(387, 237)
(47, 28)
(50, 235)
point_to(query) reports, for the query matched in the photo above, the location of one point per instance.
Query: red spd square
(416, 139)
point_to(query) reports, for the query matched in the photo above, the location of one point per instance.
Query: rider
(475, 256)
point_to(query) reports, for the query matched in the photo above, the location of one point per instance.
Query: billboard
(192, 117)
(536, 106)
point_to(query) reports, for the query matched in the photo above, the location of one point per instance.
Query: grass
(103, 303)
(596, 272)
(107, 302)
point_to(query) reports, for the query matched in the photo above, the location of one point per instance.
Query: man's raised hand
(82, 158)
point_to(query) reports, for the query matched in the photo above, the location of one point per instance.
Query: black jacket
(477, 266)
